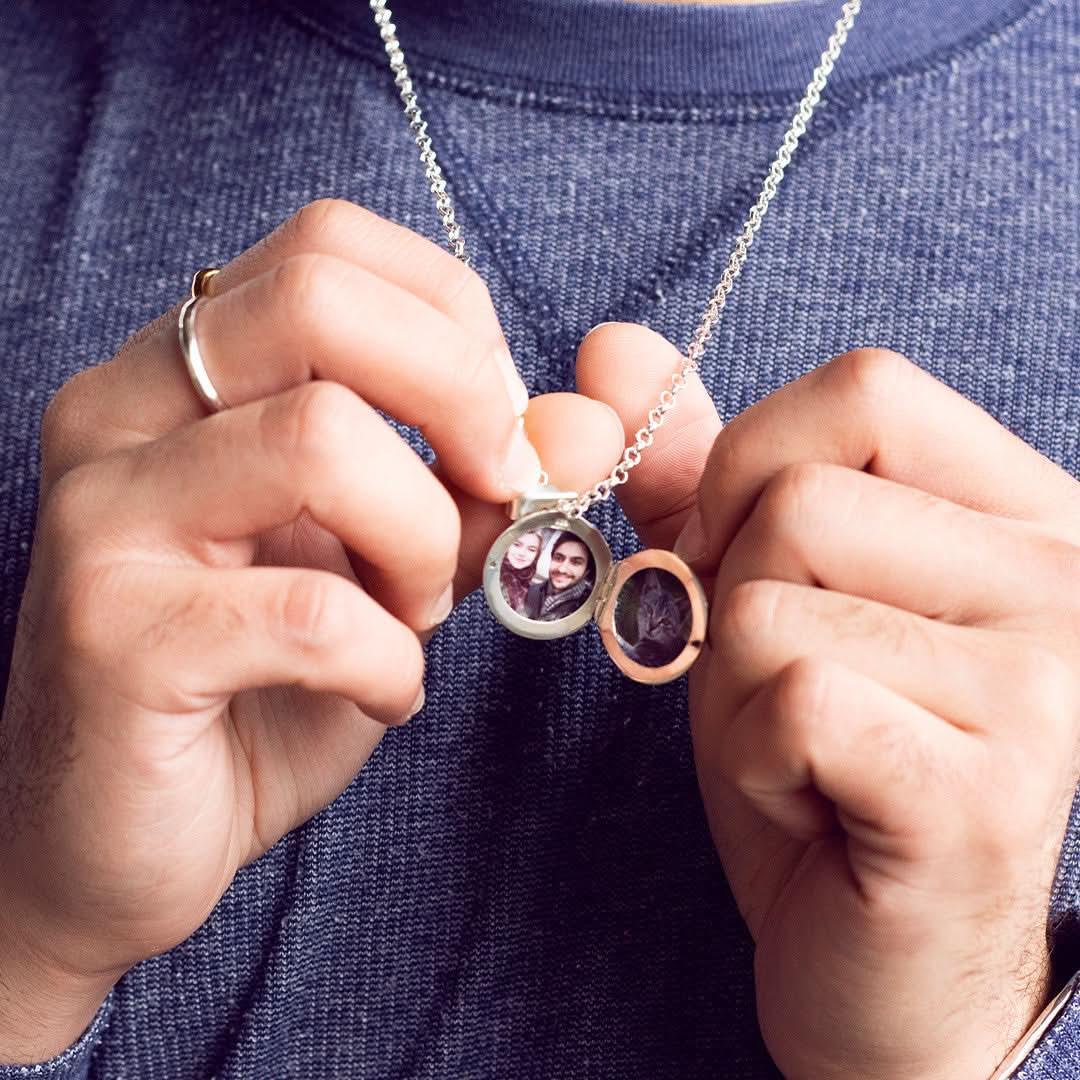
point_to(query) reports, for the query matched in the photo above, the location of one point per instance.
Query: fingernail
(597, 327)
(616, 419)
(418, 704)
(519, 394)
(691, 544)
(521, 469)
(442, 607)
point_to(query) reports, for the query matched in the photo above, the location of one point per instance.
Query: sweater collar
(617, 49)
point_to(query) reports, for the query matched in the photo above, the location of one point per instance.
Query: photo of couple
(547, 574)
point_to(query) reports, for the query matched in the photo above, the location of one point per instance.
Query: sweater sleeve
(1057, 1054)
(74, 1062)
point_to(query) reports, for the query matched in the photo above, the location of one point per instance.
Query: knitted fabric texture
(520, 883)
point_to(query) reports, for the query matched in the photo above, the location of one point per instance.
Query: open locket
(549, 574)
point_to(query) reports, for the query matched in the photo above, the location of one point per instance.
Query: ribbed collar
(621, 49)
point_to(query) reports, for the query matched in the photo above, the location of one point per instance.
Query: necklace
(551, 571)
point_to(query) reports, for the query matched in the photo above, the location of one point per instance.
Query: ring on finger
(189, 343)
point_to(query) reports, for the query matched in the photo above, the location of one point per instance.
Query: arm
(197, 668)
(885, 722)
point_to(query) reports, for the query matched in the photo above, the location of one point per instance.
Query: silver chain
(717, 302)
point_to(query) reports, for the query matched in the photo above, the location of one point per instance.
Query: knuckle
(802, 696)
(792, 499)
(68, 510)
(1015, 820)
(405, 664)
(906, 763)
(1061, 559)
(1047, 684)
(313, 227)
(461, 291)
(171, 618)
(311, 426)
(725, 458)
(65, 423)
(746, 616)
(474, 374)
(60, 413)
(869, 376)
(310, 613)
(304, 287)
(1030, 761)
(443, 519)
(794, 705)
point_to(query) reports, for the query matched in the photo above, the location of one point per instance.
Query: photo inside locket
(547, 574)
(653, 619)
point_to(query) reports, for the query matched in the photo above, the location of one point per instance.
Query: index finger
(142, 393)
(875, 410)
(397, 254)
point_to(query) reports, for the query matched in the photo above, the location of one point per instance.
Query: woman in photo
(518, 568)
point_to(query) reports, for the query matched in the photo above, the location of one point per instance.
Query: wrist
(44, 1008)
(961, 1033)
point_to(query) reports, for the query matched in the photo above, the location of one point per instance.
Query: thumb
(628, 366)
(578, 441)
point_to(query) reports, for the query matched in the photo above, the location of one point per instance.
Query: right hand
(222, 612)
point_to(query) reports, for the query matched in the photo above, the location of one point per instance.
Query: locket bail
(544, 496)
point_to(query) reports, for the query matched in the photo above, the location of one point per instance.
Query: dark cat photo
(652, 618)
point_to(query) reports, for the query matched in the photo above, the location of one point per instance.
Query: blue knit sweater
(520, 884)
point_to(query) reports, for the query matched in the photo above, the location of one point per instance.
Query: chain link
(717, 302)
(418, 125)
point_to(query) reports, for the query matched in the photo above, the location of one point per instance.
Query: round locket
(548, 574)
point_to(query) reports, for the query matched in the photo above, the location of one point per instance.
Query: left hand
(885, 724)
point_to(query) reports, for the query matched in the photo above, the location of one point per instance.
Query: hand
(885, 725)
(223, 612)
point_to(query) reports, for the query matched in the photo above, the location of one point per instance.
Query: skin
(199, 667)
(569, 561)
(884, 722)
(523, 551)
